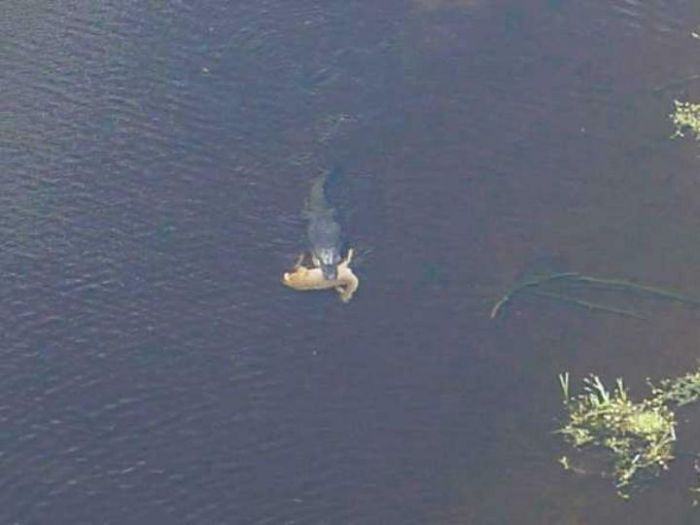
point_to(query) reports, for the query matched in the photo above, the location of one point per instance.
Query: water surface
(155, 161)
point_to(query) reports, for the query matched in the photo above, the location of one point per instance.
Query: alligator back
(323, 231)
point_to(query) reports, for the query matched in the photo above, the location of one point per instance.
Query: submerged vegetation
(543, 286)
(637, 437)
(686, 119)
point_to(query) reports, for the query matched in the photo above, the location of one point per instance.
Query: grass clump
(686, 119)
(638, 436)
(679, 391)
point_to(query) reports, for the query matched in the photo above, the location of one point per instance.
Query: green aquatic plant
(679, 391)
(686, 119)
(638, 436)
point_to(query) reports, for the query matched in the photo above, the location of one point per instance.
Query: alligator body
(323, 231)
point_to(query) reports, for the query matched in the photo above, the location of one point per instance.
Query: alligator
(328, 269)
(323, 231)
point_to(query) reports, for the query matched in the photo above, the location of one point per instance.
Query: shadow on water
(156, 158)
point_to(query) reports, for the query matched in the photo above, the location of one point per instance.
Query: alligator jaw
(330, 271)
(327, 259)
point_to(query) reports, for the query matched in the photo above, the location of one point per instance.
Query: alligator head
(327, 259)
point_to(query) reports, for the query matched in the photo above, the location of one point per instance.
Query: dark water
(155, 160)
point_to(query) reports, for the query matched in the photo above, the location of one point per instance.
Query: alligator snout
(330, 272)
(327, 259)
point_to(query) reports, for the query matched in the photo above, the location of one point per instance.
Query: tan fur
(311, 278)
